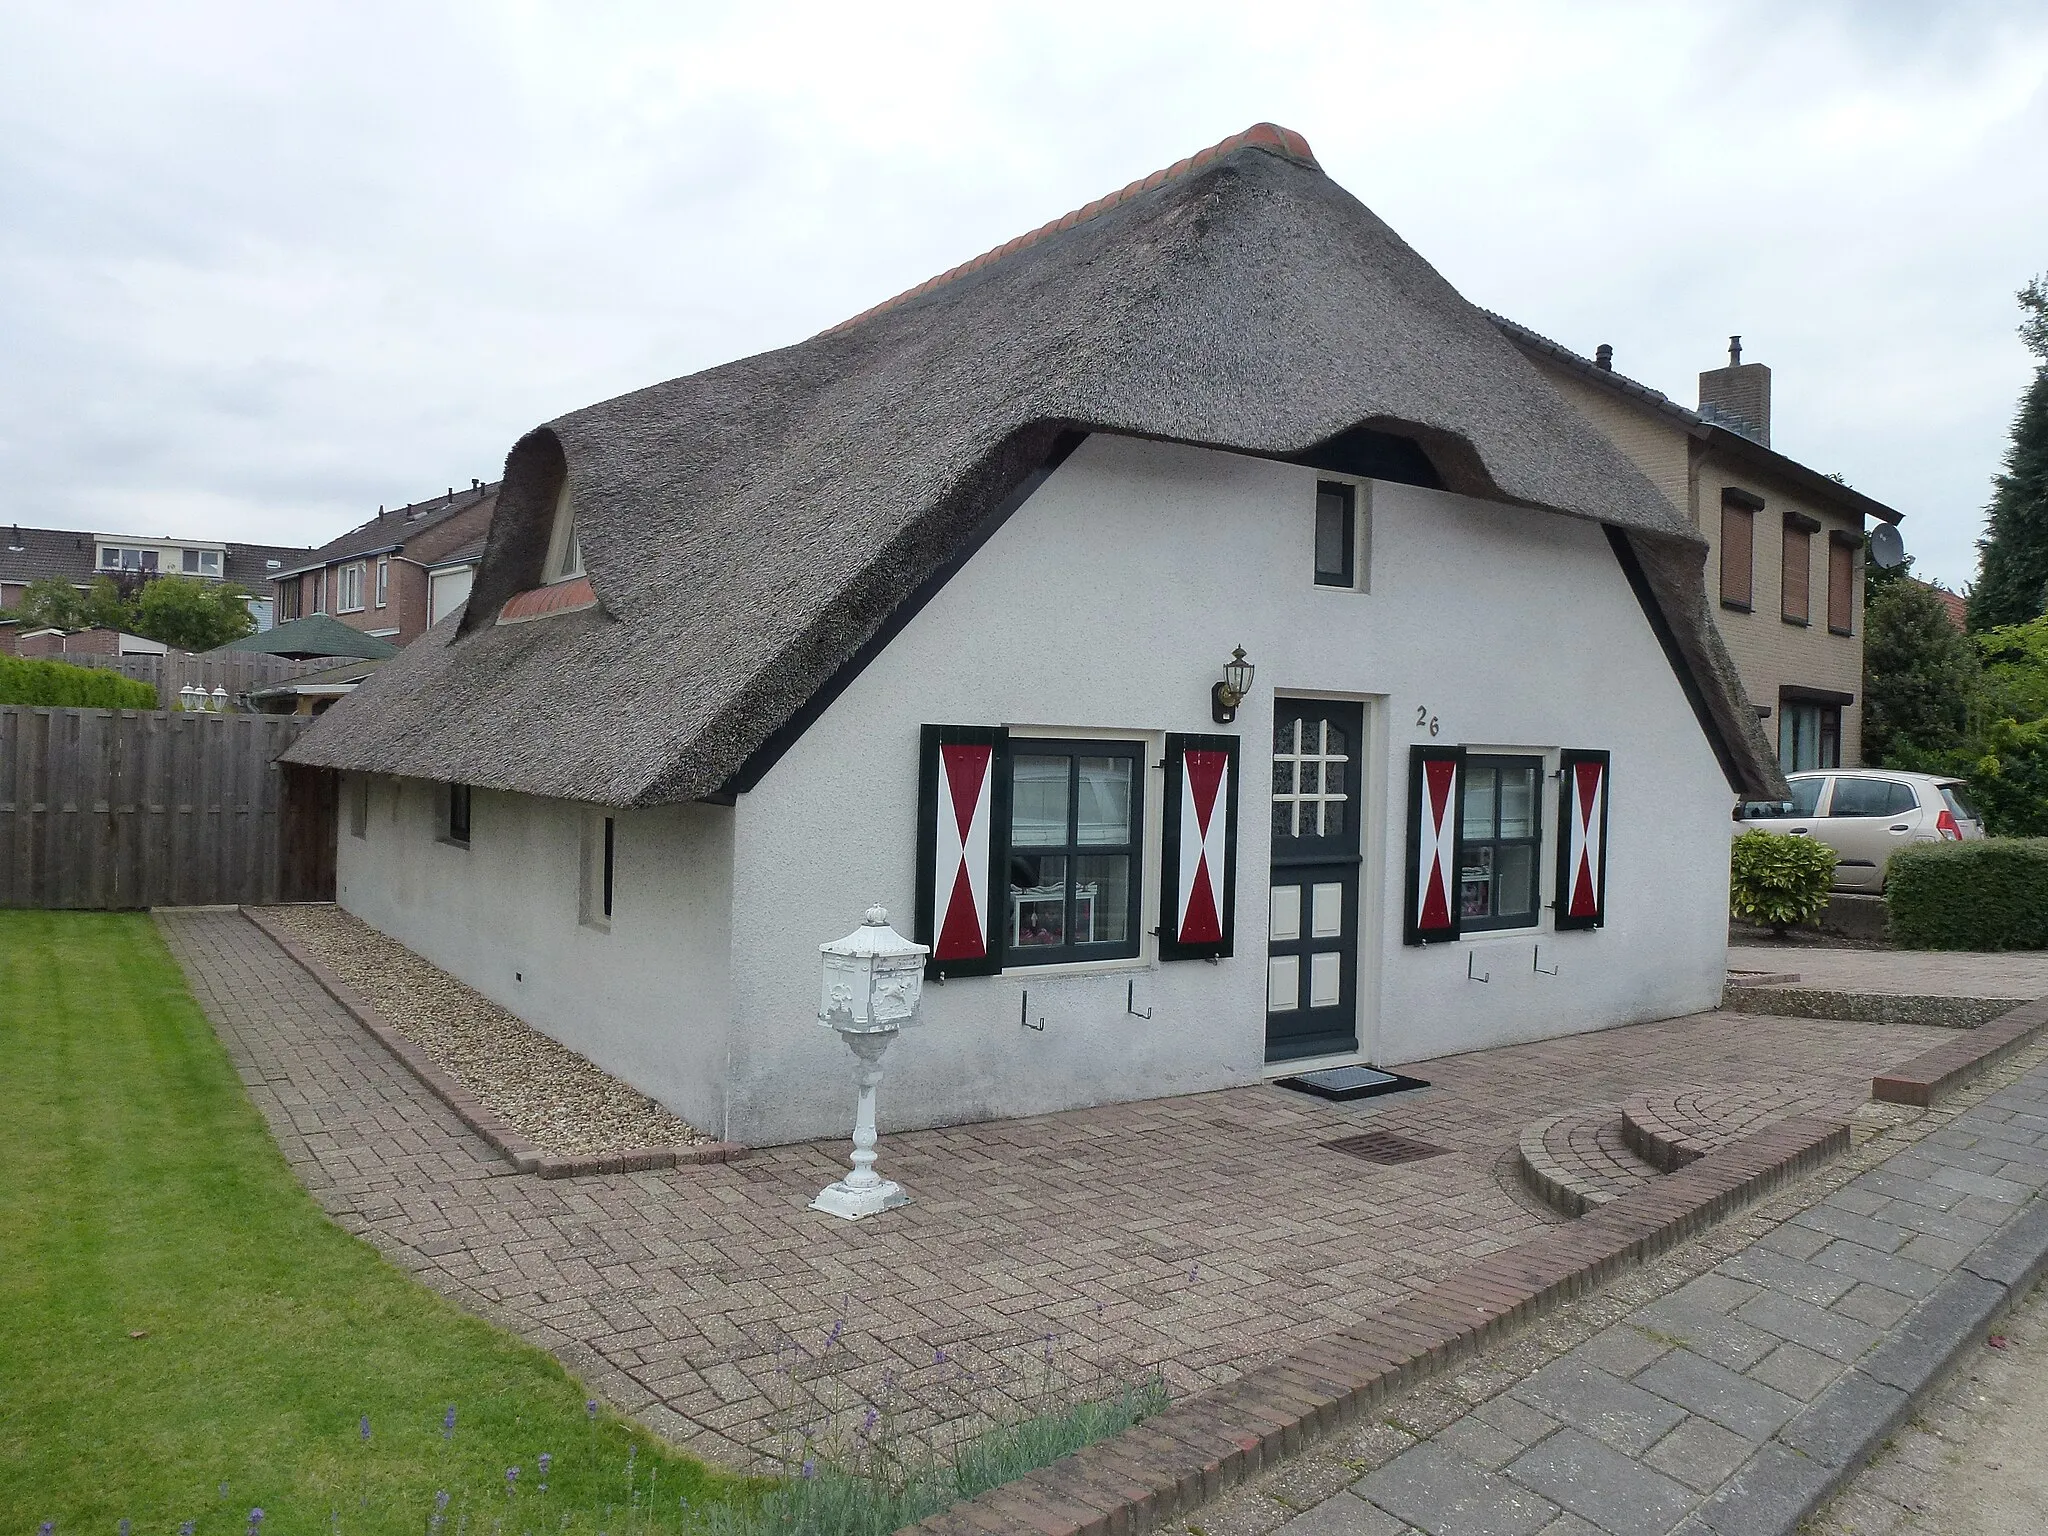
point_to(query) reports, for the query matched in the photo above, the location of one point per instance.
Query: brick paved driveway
(2018, 975)
(1198, 1235)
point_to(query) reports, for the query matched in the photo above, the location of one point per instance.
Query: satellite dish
(1887, 549)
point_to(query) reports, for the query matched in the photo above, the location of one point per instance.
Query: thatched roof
(755, 530)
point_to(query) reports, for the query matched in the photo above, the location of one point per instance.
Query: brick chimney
(1738, 397)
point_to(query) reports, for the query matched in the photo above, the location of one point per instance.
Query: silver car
(1866, 815)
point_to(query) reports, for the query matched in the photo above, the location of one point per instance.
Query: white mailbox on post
(872, 979)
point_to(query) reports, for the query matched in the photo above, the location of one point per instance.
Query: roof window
(565, 549)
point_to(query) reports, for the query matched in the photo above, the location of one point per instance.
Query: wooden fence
(133, 808)
(235, 672)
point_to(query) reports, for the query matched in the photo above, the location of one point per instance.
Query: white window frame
(1361, 533)
(348, 587)
(383, 580)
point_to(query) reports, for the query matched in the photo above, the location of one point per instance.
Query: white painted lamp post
(872, 980)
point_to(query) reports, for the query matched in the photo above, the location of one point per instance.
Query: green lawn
(141, 1194)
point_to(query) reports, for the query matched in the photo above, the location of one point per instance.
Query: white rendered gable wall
(1108, 604)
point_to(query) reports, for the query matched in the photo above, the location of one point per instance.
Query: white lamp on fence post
(185, 694)
(220, 701)
(872, 980)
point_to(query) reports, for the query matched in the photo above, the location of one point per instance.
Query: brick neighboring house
(398, 574)
(36, 554)
(1785, 566)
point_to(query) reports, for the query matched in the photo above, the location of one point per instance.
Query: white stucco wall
(1109, 603)
(646, 999)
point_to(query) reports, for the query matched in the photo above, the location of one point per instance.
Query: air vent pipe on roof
(1603, 357)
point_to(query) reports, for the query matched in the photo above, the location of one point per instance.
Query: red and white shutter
(1582, 839)
(962, 816)
(1431, 905)
(1198, 862)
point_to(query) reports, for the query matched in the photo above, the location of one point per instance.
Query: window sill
(1845, 633)
(453, 842)
(1534, 930)
(1795, 623)
(340, 611)
(1074, 968)
(1734, 607)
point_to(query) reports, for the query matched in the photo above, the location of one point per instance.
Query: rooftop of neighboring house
(1953, 604)
(779, 512)
(316, 635)
(395, 527)
(35, 554)
(1726, 430)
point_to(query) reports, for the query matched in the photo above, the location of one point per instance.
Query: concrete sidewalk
(1735, 1402)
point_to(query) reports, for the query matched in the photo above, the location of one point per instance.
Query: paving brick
(1700, 1454)
(1344, 1515)
(1788, 1276)
(1829, 1332)
(1617, 1493)
(1712, 1391)
(1441, 1493)
(1901, 1276)
(1604, 1406)
(1796, 1371)
(1727, 1339)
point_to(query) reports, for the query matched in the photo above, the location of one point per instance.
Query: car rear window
(1959, 801)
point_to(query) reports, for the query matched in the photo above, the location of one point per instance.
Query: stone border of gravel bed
(468, 1108)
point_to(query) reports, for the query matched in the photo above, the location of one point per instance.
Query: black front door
(1312, 917)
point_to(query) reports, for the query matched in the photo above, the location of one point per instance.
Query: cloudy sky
(264, 267)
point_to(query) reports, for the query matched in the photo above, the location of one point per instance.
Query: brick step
(1580, 1160)
(1679, 1126)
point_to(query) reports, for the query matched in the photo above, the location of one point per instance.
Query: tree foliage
(2012, 575)
(1920, 682)
(192, 615)
(176, 610)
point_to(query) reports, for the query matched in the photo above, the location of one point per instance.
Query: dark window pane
(1518, 802)
(1900, 800)
(1284, 824)
(1514, 883)
(1475, 883)
(1283, 778)
(1333, 535)
(1103, 811)
(1102, 899)
(1038, 901)
(1311, 778)
(1959, 801)
(1479, 786)
(1038, 802)
(1806, 795)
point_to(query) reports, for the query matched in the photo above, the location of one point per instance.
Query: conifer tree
(2012, 557)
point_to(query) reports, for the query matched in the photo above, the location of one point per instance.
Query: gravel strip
(553, 1097)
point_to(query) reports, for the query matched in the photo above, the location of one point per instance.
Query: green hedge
(54, 682)
(1984, 895)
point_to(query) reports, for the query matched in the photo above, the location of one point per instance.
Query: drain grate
(1385, 1147)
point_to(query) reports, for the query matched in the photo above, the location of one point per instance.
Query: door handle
(1796, 832)
(1901, 827)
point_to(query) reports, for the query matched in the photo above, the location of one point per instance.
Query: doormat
(1386, 1147)
(1350, 1083)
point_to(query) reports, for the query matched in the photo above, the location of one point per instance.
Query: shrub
(1778, 880)
(56, 683)
(1984, 895)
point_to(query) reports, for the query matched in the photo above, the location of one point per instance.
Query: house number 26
(1424, 720)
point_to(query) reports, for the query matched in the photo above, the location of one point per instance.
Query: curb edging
(495, 1131)
(1184, 1457)
(1933, 1075)
(1775, 1000)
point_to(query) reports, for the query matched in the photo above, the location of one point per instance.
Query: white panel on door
(1326, 913)
(1325, 980)
(1283, 983)
(1286, 923)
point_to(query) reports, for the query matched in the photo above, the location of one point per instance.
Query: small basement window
(1336, 534)
(1500, 836)
(458, 814)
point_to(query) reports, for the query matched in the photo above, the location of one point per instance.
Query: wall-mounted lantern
(873, 978)
(1229, 693)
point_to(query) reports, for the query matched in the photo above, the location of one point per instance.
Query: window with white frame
(349, 589)
(383, 580)
(201, 562)
(600, 840)
(565, 549)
